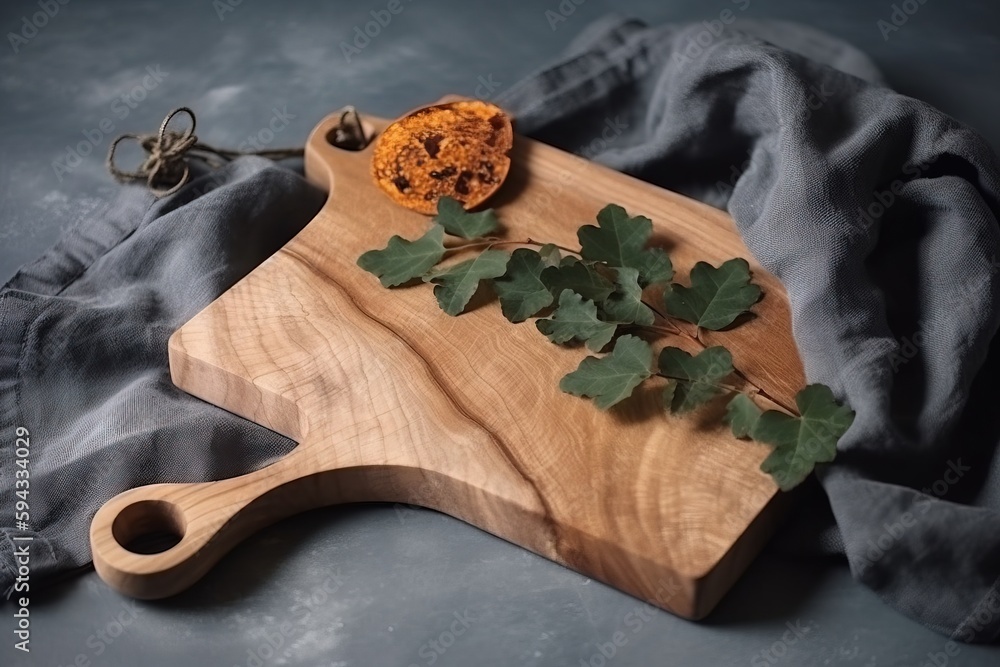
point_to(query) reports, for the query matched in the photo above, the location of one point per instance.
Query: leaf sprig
(592, 296)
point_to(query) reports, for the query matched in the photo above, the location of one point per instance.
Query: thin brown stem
(539, 244)
(486, 243)
(656, 311)
(673, 326)
(667, 327)
(758, 391)
(721, 385)
(490, 242)
(750, 388)
(667, 324)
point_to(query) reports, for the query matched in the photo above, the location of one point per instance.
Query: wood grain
(392, 400)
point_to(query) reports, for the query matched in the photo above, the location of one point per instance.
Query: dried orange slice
(458, 150)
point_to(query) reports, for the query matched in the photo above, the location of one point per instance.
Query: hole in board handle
(351, 133)
(149, 527)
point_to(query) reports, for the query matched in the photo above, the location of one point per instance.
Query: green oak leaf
(611, 378)
(654, 267)
(521, 290)
(550, 254)
(402, 260)
(576, 318)
(742, 415)
(456, 284)
(617, 239)
(717, 296)
(693, 381)
(668, 394)
(802, 442)
(620, 241)
(457, 221)
(625, 303)
(579, 277)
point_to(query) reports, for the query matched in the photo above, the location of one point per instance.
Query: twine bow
(165, 169)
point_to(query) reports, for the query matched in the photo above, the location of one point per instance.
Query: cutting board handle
(205, 520)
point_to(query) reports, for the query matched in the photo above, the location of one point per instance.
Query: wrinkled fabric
(83, 353)
(879, 214)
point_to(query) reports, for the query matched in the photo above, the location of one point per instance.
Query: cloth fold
(83, 353)
(879, 214)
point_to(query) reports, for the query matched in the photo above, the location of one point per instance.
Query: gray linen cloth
(877, 212)
(83, 353)
(880, 216)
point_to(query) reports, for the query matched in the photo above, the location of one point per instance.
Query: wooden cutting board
(392, 400)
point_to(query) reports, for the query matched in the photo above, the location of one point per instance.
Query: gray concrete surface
(373, 585)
